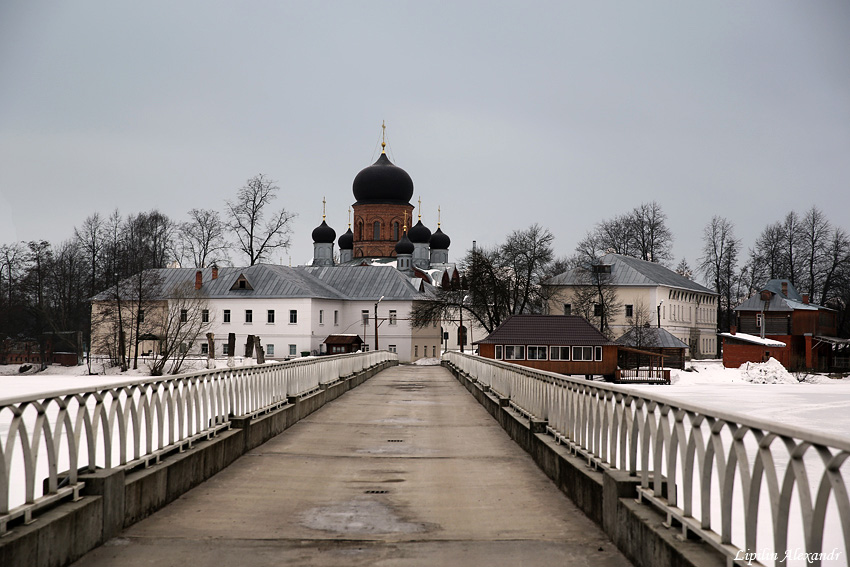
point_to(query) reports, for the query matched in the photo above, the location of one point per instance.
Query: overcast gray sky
(504, 114)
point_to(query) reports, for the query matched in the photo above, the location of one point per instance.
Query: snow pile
(427, 362)
(770, 372)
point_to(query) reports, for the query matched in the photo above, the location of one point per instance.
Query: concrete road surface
(405, 470)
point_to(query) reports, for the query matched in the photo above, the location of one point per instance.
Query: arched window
(360, 231)
(396, 235)
(377, 231)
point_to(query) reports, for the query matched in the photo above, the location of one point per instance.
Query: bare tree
(258, 232)
(179, 326)
(653, 239)
(594, 297)
(641, 233)
(641, 326)
(718, 264)
(202, 238)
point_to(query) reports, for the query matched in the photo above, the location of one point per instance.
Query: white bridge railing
(759, 492)
(136, 422)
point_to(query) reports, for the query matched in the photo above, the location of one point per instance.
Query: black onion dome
(324, 234)
(383, 182)
(420, 233)
(440, 240)
(346, 241)
(404, 246)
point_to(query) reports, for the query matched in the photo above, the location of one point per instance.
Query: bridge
(355, 460)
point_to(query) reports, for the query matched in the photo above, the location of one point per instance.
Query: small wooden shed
(343, 344)
(651, 340)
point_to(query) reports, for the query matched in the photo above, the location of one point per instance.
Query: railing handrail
(679, 450)
(801, 432)
(7, 401)
(142, 419)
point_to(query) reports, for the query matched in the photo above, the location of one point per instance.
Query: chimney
(806, 298)
(199, 279)
(785, 289)
(733, 330)
(215, 271)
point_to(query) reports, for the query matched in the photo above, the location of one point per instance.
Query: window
(392, 348)
(249, 316)
(364, 315)
(270, 350)
(392, 316)
(416, 350)
(559, 353)
(395, 231)
(224, 349)
(433, 351)
(759, 319)
(321, 316)
(293, 350)
(227, 315)
(514, 352)
(141, 315)
(582, 353)
(498, 352)
(630, 310)
(184, 348)
(293, 316)
(270, 316)
(602, 269)
(184, 315)
(336, 317)
(205, 348)
(597, 352)
(597, 310)
(205, 316)
(376, 231)
(537, 353)
(568, 309)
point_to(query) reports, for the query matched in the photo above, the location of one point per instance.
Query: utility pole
(376, 322)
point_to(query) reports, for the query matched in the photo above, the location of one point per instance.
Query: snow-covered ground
(808, 402)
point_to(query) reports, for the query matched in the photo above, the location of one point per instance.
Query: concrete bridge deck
(407, 469)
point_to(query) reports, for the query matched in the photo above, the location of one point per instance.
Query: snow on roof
(754, 339)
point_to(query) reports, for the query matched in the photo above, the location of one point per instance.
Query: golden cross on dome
(383, 137)
(349, 218)
(438, 217)
(405, 221)
(323, 209)
(420, 208)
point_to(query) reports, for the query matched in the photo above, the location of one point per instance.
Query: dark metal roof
(271, 281)
(343, 340)
(546, 330)
(778, 302)
(653, 338)
(628, 271)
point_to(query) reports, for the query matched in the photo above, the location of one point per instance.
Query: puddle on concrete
(362, 516)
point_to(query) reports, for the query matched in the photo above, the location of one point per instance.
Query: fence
(739, 484)
(135, 423)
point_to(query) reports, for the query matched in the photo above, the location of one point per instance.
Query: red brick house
(566, 344)
(778, 322)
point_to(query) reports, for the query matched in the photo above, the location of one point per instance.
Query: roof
(653, 337)
(628, 271)
(343, 340)
(272, 281)
(753, 339)
(546, 330)
(778, 301)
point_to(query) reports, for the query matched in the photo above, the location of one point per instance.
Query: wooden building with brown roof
(566, 344)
